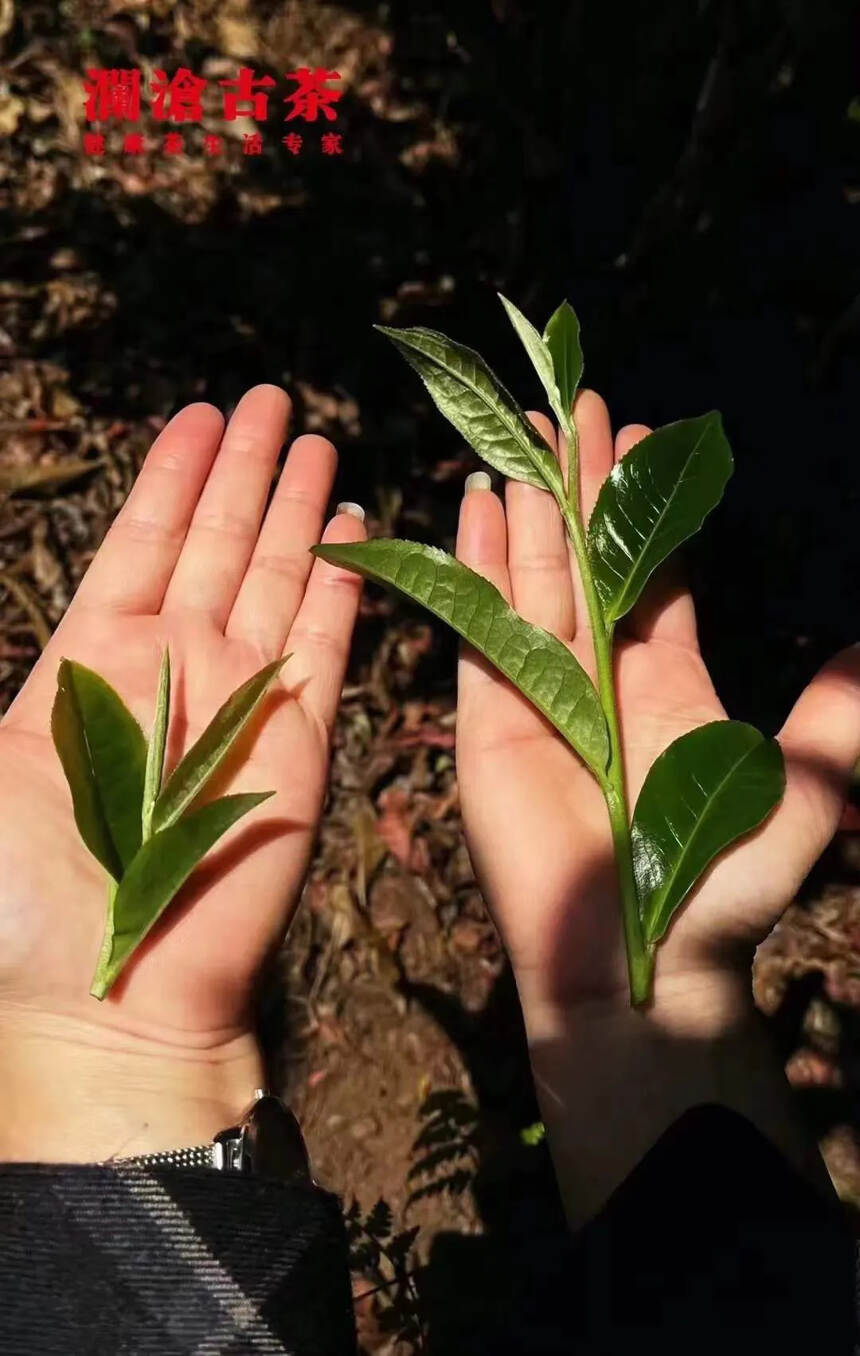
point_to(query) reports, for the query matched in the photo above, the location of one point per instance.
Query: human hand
(538, 831)
(186, 564)
(535, 819)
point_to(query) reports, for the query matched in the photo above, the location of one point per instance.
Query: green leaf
(160, 869)
(473, 399)
(561, 337)
(532, 1135)
(193, 772)
(709, 788)
(536, 662)
(103, 753)
(540, 355)
(157, 742)
(655, 498)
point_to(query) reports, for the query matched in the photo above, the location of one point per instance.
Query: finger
(225, 524)
(320, 636)
(274, 582)
(595, 462)
(821, 744)
(596, 453)
(538, 559)
(666, 610)
(482, 544)
(482, 536)
(133, 566)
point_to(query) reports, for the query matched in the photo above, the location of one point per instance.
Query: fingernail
(354, 510)
(478, 480)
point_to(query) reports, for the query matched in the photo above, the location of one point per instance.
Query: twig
(27, 600)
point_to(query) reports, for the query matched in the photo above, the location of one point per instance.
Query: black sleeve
(113, 1261)
(715, 1244)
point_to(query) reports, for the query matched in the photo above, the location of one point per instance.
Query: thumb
(821, 744)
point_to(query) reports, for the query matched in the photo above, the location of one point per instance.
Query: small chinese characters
(117, 97)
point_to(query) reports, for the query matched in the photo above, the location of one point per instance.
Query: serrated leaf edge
(328, 552)
(519, 429)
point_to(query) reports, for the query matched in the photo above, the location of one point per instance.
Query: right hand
(535, 819)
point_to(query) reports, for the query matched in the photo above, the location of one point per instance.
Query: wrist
(708, 1004)
(76, 1091)
(612, 1079)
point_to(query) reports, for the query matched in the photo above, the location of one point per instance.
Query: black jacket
(712, 1245)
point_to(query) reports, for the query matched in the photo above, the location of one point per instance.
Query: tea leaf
(655, 498)
(192, 773)
(540, 355)
(157, 742)
(536, 662)
(103, 753)
(159, 870)
(708, 789)
(473, 399)
(532, 1135)
(67, 732)
(561, 337)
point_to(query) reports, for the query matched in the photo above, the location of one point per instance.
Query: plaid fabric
(117, 1260)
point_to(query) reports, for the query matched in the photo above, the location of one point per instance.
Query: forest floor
(392, 1025)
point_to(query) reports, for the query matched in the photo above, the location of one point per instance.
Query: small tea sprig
(143, 830)
(709, 787)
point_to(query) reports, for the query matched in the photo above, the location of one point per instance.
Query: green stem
(100, 984)
(640, 959)
(572, 434)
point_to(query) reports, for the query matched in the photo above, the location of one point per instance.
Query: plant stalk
(99, 986)
(640, 959)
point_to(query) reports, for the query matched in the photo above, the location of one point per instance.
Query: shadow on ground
(686, 182)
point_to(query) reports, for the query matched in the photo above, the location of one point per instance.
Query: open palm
(535, 819)
(191, 563)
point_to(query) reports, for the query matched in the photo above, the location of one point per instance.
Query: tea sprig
(711, 786)
(144, 831)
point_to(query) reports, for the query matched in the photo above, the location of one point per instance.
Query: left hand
(191, 563)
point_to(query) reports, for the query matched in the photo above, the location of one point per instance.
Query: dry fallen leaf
(394, 824)
(11, 109)
(20, 479)
(28, 601)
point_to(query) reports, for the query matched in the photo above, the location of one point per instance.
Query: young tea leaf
(159, 870)
(536, 662)
(67, 731)
(103, 753)
(708, 789)
(540, 355)
(473, 399)
(654, 499)
(157, 742)
(193, 772)
(561, 337)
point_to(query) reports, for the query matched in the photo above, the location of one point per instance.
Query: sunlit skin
(190, 562)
